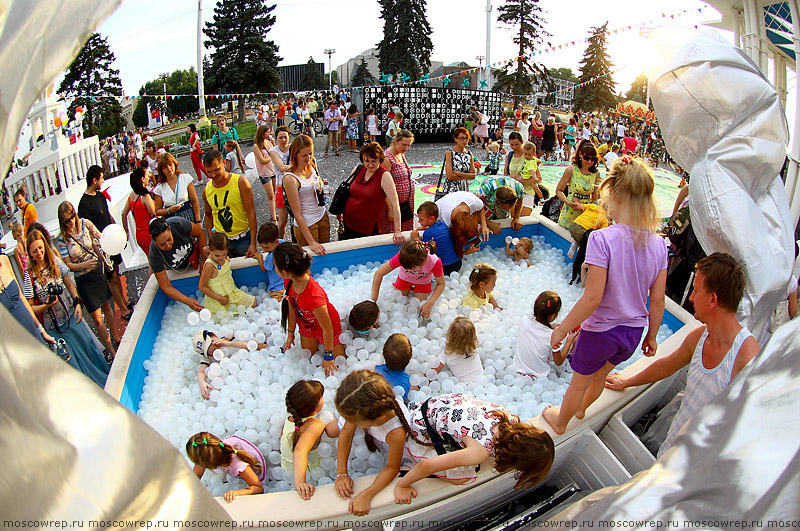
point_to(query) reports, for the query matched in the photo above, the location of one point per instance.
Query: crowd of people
(612, 220)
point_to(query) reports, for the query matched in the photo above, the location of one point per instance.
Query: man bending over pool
(715, 352)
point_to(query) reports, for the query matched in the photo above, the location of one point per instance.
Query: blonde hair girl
(613, 312)
(460, 351)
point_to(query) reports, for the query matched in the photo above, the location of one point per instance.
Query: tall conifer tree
(88, 79)
(362, 76)
(525, 16)
(406, 45)
(242, 59)
(595, 67)
(312, 77)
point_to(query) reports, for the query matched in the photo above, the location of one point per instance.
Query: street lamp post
(164, 111)
(201, 97)
(329, 52)
(480, 59)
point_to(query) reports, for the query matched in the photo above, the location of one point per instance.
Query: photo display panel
(432, 110)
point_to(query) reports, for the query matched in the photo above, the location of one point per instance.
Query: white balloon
(250, 160)
(113, 239)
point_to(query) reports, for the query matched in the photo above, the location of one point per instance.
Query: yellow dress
(581, 188)
(475, 302)
(223, 285)
(287, 452)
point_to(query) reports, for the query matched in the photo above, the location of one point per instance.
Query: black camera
(54, 291)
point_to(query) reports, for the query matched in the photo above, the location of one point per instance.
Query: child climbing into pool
(417, 267)
(306, 306)
(366, 400)
(482, 279)
(533, 338)
(235, 455)
(268, 240)
(302, 433)
(613, 312)
(206, 344)
(461, 351)
(437, 231)
(477, 430)
(216, 279)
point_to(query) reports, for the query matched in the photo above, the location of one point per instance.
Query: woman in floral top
(480, 429)
(80, 250)
(61, 314)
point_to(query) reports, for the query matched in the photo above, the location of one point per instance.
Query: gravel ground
(334, 169)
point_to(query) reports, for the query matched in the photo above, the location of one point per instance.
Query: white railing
(50, 178)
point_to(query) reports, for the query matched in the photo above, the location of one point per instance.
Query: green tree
(406, 45)
(595, 67)
(362, 76)
(242, 59)
(312, 77)
(563, 73)
(93, 83)
(328, 76)
(182, 83)
(525, 17)
(638, 90)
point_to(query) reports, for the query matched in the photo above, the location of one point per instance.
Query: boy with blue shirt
(268, 240)
(436, 230)
(397, 353)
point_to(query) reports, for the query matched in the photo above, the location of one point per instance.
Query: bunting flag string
(404, 79)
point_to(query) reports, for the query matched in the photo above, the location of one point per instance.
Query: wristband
(76, 301)
(345, 475)
(290, 332)
(197, 221)
(327, 355)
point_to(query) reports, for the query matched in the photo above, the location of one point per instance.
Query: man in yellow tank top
(229, 206)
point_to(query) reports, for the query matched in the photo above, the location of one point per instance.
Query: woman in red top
(196, 152)
(369, 192)
(396, 164)
(141, 203)
(306, 306)
(537, 132)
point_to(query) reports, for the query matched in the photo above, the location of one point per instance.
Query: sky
(151, 37)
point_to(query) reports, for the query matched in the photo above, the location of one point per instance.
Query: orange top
(29, 215)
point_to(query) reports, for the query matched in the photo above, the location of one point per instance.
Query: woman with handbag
(46, 288)
(141, 204)
(174, 192)
(370, 188)
(79, 248)
(12, 299)
(395, 163)
(458, 169)
(304, 196)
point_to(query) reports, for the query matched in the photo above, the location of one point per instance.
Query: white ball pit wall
(126, 382)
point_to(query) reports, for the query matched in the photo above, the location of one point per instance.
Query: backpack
(677, 225)
(385, 126)
(551, 208)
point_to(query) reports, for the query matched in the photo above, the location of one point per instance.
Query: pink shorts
(404, 285)
(279, 198)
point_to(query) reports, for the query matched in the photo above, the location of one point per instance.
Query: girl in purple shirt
(627, 264)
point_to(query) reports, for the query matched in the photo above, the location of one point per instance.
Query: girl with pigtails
(418, 265)
(235, 455)
(306, 306)
(302, 433)
(365, 400)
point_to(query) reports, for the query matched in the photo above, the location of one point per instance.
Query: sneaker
(572, 249)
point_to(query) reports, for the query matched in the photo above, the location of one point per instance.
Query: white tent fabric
(722, 119)
(71, 451)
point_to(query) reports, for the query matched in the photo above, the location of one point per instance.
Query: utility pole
(203, 121)
(330, 52)
(164, 110)
(481, 74)
(488, 43)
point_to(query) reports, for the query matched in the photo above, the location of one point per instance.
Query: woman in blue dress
(352, 128)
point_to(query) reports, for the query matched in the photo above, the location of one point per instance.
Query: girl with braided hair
(306, 305)
(365, 400)
(235, 455)
(478, 430)
(418, 264)
(302, 432)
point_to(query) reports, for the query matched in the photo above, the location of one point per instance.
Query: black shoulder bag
(439, 192)
(342, 193)
(441, 443)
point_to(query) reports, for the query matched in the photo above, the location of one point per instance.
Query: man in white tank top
(715, 352)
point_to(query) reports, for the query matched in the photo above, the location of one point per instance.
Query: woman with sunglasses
(80, 250)
(458, 167)
(583, 182)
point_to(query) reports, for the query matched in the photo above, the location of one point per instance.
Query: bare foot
(550, 414)
(580, 414)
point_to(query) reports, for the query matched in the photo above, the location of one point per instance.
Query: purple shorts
(594, 349)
